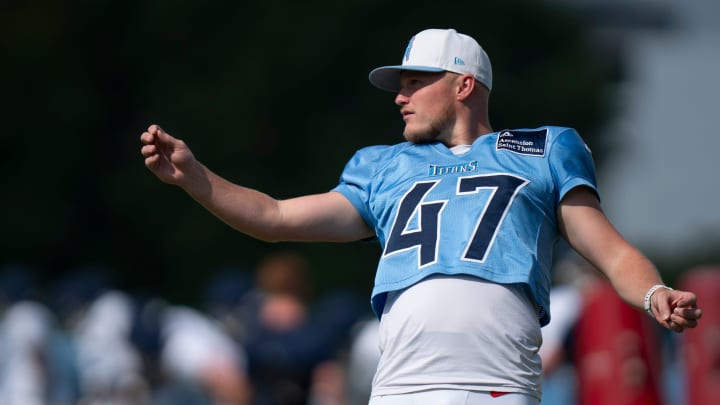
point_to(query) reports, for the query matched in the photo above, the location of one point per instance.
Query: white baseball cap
(437, 50)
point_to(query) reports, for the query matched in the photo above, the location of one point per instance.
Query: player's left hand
(675, 310)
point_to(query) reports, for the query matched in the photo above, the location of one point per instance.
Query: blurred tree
(270, 94)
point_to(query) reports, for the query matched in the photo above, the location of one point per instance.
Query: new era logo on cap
(437, 50)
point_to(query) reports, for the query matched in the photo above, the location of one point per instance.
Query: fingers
(155, 133)
(678, 323)
(147, 138)
(149, 150)
(686, 317)
(678, 311)
(153, 141)
(675, 327)
(688, 312)
(152, 161)
(159, 133)
(686, 299)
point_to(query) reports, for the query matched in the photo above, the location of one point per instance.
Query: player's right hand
(167, 157)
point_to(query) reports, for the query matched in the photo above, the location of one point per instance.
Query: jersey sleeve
(356, 180)
(571, 163)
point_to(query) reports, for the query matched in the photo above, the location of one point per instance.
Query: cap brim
(388, 77)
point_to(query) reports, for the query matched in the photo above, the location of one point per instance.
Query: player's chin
(419, 137)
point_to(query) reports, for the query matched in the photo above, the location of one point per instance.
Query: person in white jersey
(466, 217)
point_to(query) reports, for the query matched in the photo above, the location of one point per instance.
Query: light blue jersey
(490, 212)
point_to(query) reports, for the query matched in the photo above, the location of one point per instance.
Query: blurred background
(274, 95)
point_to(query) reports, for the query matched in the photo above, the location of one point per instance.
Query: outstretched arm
(591, 234)
(320, 217)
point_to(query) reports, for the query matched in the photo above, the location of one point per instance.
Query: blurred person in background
(201, 362)
(293, 337)
(25, 332)
(25, 327)
(39, 354)
(228, 297)
(70, 297)
(109, 365)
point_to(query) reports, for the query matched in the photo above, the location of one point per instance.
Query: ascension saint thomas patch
(525, 142)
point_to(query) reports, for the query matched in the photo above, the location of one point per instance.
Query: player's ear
(466, 85)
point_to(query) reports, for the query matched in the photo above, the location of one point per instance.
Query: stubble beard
(420, 137)
(434, 131)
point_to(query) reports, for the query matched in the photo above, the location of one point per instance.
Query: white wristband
(651, 291)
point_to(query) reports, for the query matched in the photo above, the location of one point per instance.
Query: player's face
(426, 104)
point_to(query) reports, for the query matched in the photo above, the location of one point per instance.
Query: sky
(662, 189)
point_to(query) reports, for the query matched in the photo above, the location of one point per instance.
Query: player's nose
(401, 99)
